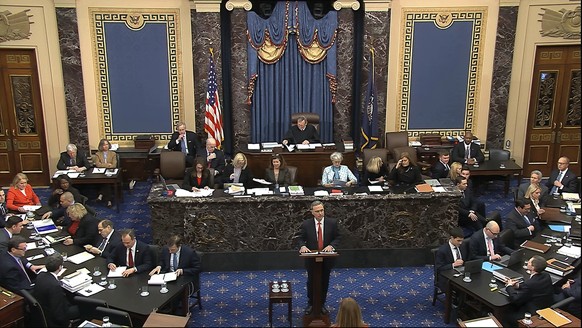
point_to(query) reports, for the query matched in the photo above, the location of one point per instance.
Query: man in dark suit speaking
(135, 255)
(184, 141)
(467, 152)
(562, 179)
(178, 258)
(302, 133)
(107, 241)
(318, 234)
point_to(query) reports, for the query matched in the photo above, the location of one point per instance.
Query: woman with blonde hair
(20, 194)
(349, 314)
(376, 170)
(533, 195)
(455, 171)
(238, 172)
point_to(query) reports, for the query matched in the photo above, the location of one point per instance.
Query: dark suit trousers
(325, 273)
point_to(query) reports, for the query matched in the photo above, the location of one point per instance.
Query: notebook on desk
(473, 266)
(509, 260)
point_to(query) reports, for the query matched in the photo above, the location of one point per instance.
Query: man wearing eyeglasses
(562, 180)
(485, 245)
(16, 272)
(13, 227)
(214, 159)
(524, 225)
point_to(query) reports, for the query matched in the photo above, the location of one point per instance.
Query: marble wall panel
(241, 113)
(501, 76)
(377, 36)
(73, 76)
(342, 115)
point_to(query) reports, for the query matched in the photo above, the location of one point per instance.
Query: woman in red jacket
(20, 194)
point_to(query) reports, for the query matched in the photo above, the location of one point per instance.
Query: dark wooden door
(22, 136)
(554, 114)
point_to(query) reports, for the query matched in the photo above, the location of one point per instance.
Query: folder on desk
(553, 317)
(534, 246)
(424, 187)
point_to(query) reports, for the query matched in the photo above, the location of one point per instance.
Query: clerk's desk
(478, 289)
(126, 296)
(309, 163)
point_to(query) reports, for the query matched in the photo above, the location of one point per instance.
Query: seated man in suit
(485, 245)
(562, 180)
(469, 217)
(59, 215)
(451, 255)
(178, 258)
(535, 178)
(302, 133)
(533, 294)
(107, 241)
(524, 227)
(186, 142)
(571, 289)
(3, 209)
(467, 152)
(213, 158)
(13, 227)
(51, 296)
(441, 168)
(16, 272)
(479, 205)
(135, 255)
(72, 159)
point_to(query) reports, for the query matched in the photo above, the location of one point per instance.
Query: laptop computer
(473, 266)
(172, 187)
(509, 260)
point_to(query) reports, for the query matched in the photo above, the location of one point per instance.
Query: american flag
(213, 119)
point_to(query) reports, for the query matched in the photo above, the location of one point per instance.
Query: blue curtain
(293, 80)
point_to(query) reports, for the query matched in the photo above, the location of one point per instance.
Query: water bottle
(106, 322)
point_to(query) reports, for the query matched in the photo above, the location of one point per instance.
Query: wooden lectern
(316, 318)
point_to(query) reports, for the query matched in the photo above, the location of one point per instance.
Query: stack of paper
(81, 257)
(296, 190)
(44, 226)
(199, 193)
(117, 273)
(572, 251)
(76, 281)
(570, 196)
(158, 279)
(320, 193)
(91, 290)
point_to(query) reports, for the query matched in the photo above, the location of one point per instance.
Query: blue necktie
(559, 178)
(174, 265)
(183, 146)
(526, 219)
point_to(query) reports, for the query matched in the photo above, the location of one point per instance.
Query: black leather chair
(87, 306)
(172, 166)
(34, 313)
(312, 118)
(499, 154)
(507, 238)
(155, 251)
(116, 317)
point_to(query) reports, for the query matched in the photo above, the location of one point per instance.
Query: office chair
(499, 154)
(35, 317)
(312, 118)
(117, 317)
(155, 250)
(195, 286)
(507, 238)
(292, 173)
(563, 303)
(87, 306)
(172, 166)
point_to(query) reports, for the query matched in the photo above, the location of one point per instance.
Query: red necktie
(130, 259)
(319, 236)
(490, 247)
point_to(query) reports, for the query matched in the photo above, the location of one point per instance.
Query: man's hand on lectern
(304, 249)
(328, 249)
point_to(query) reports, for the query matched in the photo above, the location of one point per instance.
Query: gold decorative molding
(237, 4)
(338, 5)
(564, 23)
(15, 26)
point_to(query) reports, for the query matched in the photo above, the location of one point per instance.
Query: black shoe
(324, 310)
(308, 309)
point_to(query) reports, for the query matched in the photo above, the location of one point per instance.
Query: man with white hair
(535, 178)
(214, 159)
(73, 159)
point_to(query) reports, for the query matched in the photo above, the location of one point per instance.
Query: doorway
(554, 113)
(22, 135)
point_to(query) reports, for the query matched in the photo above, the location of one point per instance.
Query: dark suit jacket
(467, 203)
(189, 261)
(55, 199)
(479, 249)
(11, 275)
(331, 236)
(4, 238)
(190, 181)
(142, 259)
(569, 180)
(296, 136)
(192, 143)
(458, 154)
(369, 176)
(444, 257)
(246, 176)
(534, 294)
(113, 243)
(87, 231)
(283, 179)
(403, 177)
(216, 163)
(3, 211)
(516, 222)
(51, 296)
(65, 160)
(439, 170)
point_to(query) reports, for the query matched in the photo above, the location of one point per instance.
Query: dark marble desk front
(271, 223)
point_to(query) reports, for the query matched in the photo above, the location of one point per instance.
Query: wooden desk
(310, 164)
(137, 164)
(166, 320)
(281, 297)
(11, 309)
(553, 215)
(506, 169)
(537, 322)
(99, 178)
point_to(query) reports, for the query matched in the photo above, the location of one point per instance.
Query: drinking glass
(96, 271)
(164, 288)
(527, 318)
(144, 291)
(64, 255)
(112, 284)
